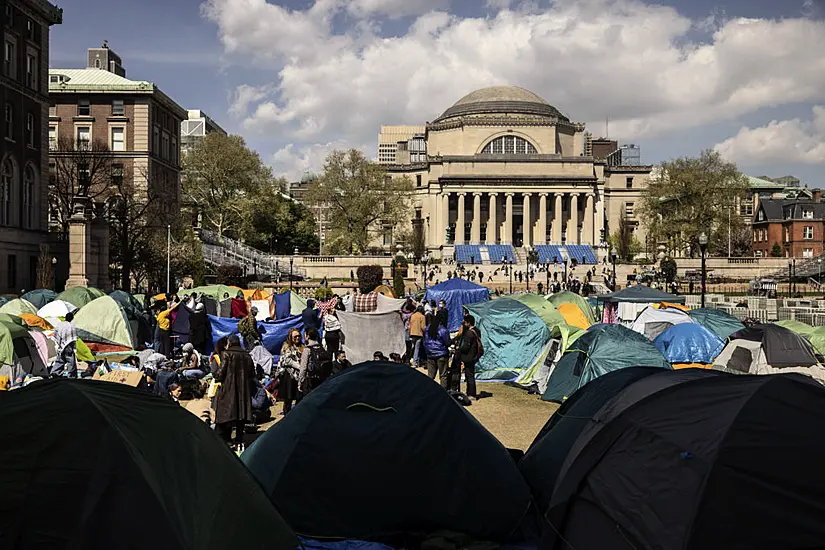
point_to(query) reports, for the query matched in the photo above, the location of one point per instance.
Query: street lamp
(291, 262)
(794, 275)
(547, 272)
(703, 246)
(819, 261)
(424, 261)
(613, 256)
(510, 270)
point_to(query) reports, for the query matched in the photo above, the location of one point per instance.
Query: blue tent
(457, 293)
(513, 336)
(273, 332)
(282, 304)
(689, 343)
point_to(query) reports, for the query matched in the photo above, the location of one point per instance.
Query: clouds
(785, 141)
(335, 78)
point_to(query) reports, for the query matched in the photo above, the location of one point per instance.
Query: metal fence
(218, 250)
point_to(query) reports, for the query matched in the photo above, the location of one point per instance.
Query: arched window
(6, 186)
(29, 181)
(509, 145)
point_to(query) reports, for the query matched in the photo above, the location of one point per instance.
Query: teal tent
(716, 321)
(513, 336)
(602, 349)
(79, 296)
(126, 300)
(40, 297)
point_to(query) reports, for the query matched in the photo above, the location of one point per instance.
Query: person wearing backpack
(314, 363)
(469, 349)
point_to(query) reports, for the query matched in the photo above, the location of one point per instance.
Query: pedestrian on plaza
(248, 329)
(310, 316)
(289, 367)
(65, 342)
(418, 324)
(468, 349)
(332, 332)
(233, 402)
(443, 313)
(436, 344)
(313, 360)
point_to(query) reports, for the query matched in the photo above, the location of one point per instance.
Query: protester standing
(332, 332)
(248, 328)
(468, 345)
(418, 324)
(310, 316)
(165, 329)
(199, 329)
(436, 344)
(233, 402)
(312, 363)
(65, 340)
(290, 367)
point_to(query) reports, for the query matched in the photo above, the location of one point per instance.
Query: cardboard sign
(130, 378)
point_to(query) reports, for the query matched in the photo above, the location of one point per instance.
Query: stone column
(445, 216)
(557, 221)
(492, 222)
(459, 224)
(527, 224)
(475, 235)
(573, 224)
(80, 245)
(542, 236)
(508, 220)
(589, 235)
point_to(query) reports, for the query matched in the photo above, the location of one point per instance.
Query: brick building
(796, 225)
(138, 123)
(24, 151)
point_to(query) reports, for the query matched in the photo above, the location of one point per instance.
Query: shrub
(369, 277)
(323, 293)
(776, 250)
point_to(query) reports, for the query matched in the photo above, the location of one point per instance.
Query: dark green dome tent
(40, 297)
(381, 451)
(90, 464)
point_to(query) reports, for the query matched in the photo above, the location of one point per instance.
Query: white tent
(742, 356)
(53, 311)
(652, 321)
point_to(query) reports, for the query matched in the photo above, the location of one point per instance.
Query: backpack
(480, 346)
(318, 360)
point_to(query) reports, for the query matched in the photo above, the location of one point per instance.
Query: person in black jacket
(467, 348)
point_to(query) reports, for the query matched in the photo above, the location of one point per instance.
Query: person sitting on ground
(379, 356)
(200, 405)
(340, 363)
(175, 390)
(395, 358)
(311, 374)
(289, 367)
(191, 365)
(261, 403)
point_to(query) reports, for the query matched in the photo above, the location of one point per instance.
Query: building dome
(502, 100)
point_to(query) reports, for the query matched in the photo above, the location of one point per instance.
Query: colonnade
(556, 214)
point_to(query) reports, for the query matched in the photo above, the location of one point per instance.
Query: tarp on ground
(574, 316)
(513, 337)
(79, 296)
(457, 293)
(56, 310)
(117, 467)
(386, 304)
(653, 321)
(103, 321)
(366, 333)
(273, 332)
(215, 291)
(639, 294)
(719, 322)
(689, 343)
(600, 350)
(18, 306)
(416, 462)
(566, 296)
(40, 297)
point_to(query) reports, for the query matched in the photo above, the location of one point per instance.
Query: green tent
(817, 338)
(602, 349)
(566, 296)
(79, 296)
(296, 303)
(717, 321)
(797, 326)
(40, 297)
(513, 337)
(215, 291)
(103, 321)
(18, 307)
(11, 330)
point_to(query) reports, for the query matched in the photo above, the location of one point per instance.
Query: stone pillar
(542, 236)
(475, 234)
(573, 224)
(589, 235)
(527, 224)
(492, 222)
(508, 220)
(459, 224)
(557, 221)
(445, 215)
(80, 242)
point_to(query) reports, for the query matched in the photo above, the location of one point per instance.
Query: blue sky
(301, 77)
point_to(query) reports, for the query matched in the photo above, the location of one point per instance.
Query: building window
(84, 175)
(628, 209)
(31, 71)
(509, 145)
(746, 209)
(29, 181)
(807, 252)
(175, 151)
(118, 142)
(84, 137)
(155, 140)
(9, 16)
(30, 129)
(165, 146)
(117, 174)
(52, 138)
(387, 235)
(117, 108)
(11, 263)
(418, 180)
(83, 107)
(6, 185)
(787, 234)
(97, 63)
(807, 213)
(629, 182)
(755, 236)
(52, 110)
(808, 232)
(31, 32)
(9, 121)
(9, 65)
(758, 253)
(761, 216)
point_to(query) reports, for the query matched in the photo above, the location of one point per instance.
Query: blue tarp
(689, 343)
(513, 336)
(457, 293)
(282, 304)
(273, 332)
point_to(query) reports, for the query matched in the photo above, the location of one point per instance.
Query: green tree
(624, 241)
(369, 277)
(361, 199)
(668, 268)
(776, 250)
(691, 195)
(219, 175)
(274, 222)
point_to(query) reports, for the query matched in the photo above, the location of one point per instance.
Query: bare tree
(45, 275)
